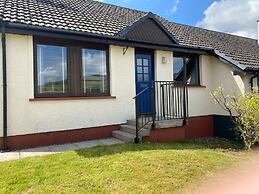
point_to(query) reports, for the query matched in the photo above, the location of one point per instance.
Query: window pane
(192, 70)
(51, 69)
(178, 68)
(139, 62)
(139, 69)
(145, 62)
(145, 69)
(146, 77)
(95, 79)
(140, 77)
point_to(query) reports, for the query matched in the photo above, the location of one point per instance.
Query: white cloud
(175, 6)
(232, 16)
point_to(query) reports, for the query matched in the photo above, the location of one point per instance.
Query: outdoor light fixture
(164, 60)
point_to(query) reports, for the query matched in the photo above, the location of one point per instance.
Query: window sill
(195, 86)
(72, 98)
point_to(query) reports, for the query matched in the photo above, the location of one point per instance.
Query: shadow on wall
(224, 127)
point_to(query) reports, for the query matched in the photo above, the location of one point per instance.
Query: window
(143, 70)
(192, 69)
(51, 69)
(95, 78)
(71, 69)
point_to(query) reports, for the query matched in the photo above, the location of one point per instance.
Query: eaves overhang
(26, 29)
(229, 60)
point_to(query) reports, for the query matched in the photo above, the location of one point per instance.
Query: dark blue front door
(144, 77)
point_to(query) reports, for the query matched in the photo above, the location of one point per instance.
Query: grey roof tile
(105, 19)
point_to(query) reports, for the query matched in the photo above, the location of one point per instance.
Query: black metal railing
(143, 117)
(162, 100)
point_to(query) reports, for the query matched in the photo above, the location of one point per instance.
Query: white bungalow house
(81, 70)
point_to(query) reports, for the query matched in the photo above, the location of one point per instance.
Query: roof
(97, 18)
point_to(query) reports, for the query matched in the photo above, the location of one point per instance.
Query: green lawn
(129, 168)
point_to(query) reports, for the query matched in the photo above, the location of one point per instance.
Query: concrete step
(128, 128)
(133, 123)
(132, 130)
(160, 124)
(124, 136)
(169, 123)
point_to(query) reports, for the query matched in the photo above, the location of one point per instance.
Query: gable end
(148, 29)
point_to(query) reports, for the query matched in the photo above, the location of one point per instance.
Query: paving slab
(62, 148)
(42, 151)
(9, 156)
(110, 141)
(87, 144)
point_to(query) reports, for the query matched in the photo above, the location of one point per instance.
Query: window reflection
(192, 70)
(94, 68)
(51, 69)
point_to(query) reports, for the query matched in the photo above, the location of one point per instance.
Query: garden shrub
(244, 112)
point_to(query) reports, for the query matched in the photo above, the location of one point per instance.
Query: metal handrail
(139, 115)
(140, 93)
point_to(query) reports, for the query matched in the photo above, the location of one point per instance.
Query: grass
(144, 168)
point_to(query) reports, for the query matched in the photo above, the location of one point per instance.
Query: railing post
(163, 99)
(137, 127)
(153, 105)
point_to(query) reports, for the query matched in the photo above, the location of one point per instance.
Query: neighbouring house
(77, 70)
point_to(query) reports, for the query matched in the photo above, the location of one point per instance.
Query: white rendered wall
(25, 117)
(163, 71)
(214, 73)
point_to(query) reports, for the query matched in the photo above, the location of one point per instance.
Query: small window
(192, 69)
(51, 69)
(95, 76)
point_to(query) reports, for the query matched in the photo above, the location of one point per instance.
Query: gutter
(5, 135)
(121, 41)
(108, 39)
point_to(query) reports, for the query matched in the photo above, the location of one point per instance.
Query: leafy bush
(244, 112)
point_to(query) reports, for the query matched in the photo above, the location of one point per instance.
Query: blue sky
(231, 16)
(180, 11)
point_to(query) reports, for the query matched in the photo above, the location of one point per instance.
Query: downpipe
(5, 135)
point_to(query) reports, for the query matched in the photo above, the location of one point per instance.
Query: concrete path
(41, 151)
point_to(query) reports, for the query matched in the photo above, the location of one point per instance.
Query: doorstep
(53, 149)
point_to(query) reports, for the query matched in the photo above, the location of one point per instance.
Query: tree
(244, 112)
